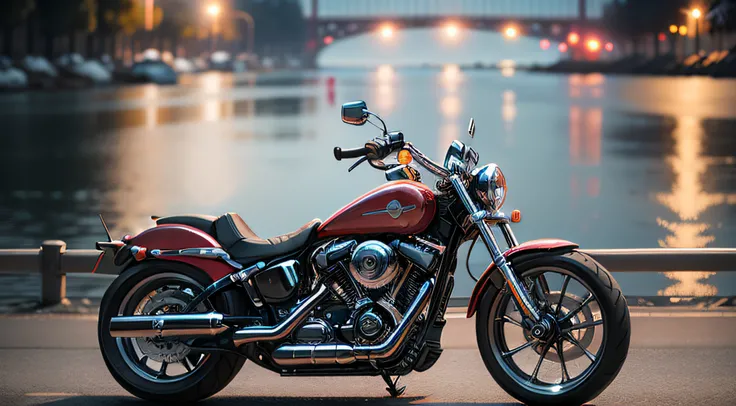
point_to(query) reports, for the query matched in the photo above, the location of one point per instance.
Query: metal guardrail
(53, 261)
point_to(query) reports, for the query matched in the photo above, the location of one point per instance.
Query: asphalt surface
(675, 359)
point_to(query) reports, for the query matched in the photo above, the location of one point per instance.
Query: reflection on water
(688, 199)
(640, 160)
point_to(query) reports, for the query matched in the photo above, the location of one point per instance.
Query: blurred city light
(452, 30)
(683, 30)
(214, 9)
(673, 29)
(609, 46)
(593, 45)
(562, 47)
(573, 38)
(511, 32)
(508, 68)
(387, 31)
(661, 37)
(696, 13)
(544, 44)
(328, 40)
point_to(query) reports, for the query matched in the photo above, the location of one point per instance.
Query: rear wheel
(585, 346)
(164, 369)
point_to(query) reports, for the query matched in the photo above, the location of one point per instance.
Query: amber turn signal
(515, 216)
(404, 157)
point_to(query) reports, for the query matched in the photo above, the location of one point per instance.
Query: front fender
(179, 236)
(529, 247)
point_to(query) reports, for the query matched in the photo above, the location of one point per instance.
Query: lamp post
(696, 13)
(214, 10)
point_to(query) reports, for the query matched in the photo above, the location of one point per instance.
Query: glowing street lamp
(696, 13)
(214, 9)
(609, 46)
(510, 32)
(683, 30)
(452, 30)
(562, 47)
(593, 45)
(673, 29)
(387, 31)
(573, 38)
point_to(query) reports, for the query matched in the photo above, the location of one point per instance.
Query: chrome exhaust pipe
(167, 325)
(265, 333)
(307, 354)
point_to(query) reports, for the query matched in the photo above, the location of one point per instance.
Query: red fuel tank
(400, 207)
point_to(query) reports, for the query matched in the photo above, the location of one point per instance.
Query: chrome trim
(520, 294)
(167, 325)
(245, 278)
(373, 264)
(306, 354)
(487, 180)
(425, 162)
(211, 253)
(393, 208)
(438, 247)
(265, 333)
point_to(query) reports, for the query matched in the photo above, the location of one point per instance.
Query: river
(609, 162)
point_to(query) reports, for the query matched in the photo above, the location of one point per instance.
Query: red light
(328, 40)
(573, 38)
(609, 46)
(661, 37)
(544, 44)
(562, 47)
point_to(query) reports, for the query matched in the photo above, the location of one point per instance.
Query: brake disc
(168, 349)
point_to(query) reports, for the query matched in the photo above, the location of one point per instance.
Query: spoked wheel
(583, 341)
(164, 369)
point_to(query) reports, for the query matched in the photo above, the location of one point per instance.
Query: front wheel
(586, 343)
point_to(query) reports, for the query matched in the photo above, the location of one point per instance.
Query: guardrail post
(53, 281)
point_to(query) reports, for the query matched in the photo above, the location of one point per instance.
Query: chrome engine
(373, 264)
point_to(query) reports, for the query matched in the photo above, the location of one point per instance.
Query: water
(609, 162)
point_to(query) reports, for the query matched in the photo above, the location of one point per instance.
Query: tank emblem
(393, 208)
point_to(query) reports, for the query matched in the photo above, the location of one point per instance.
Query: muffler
(269, 333)
(167, 325)
(308, 354)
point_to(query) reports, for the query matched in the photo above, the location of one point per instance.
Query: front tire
(602, 343)
(203, 374)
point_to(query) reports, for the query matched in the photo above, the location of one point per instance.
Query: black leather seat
(247, 247)
(198, 221)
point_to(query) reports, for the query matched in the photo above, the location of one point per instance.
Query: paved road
(674, 360)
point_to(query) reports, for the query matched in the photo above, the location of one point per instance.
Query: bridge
(333, 20)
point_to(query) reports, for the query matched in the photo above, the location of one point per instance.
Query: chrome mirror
(471, 128)
(355, 112)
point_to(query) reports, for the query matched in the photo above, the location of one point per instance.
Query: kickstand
(392, 388)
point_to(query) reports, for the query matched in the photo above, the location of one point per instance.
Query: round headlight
(490, 185)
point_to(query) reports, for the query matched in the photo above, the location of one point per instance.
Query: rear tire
(614, 347)
(208, 378)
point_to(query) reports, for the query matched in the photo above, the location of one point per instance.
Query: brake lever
(358, 162)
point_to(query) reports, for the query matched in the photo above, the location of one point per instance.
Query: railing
(53, 261)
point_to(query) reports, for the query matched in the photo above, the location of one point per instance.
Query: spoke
(572, 339)
(507, 319)
(585, 302)
(561, 355)
(517, 349)
(185, 362)
(539, 363)
(587, 324)
(144, 360)
(562, 295)
(162, 371)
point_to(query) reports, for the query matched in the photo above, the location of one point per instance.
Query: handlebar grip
(350, 153)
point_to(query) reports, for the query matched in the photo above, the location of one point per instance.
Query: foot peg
(393, 389)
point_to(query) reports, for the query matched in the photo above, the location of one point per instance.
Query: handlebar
(350, 153)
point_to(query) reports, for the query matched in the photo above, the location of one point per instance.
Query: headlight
(490, 185)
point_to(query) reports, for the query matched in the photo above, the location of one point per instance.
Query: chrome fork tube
(519, 292)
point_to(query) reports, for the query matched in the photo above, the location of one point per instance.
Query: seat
(247, 247)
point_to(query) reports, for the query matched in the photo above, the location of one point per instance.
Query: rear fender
(492, 276)
(179, 236)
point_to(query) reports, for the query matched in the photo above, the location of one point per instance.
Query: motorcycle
(363, 293)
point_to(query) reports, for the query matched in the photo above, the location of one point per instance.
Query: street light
(387, 31)
(683, 30)
(696, 15)
(214, 9)
(573, 38)
(452, 30)
(673, 29)
(593, 45)
(510, 32)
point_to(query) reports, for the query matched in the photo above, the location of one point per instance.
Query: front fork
(521, 296)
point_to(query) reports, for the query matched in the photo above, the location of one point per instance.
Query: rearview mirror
(471, 128)
(355, 112)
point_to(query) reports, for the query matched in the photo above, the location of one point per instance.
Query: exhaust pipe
(307, 354)
(264, 333)
(167, 325)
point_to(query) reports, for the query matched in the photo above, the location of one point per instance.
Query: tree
(12, 14)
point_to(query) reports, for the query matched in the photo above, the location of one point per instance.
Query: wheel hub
(169, 349)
